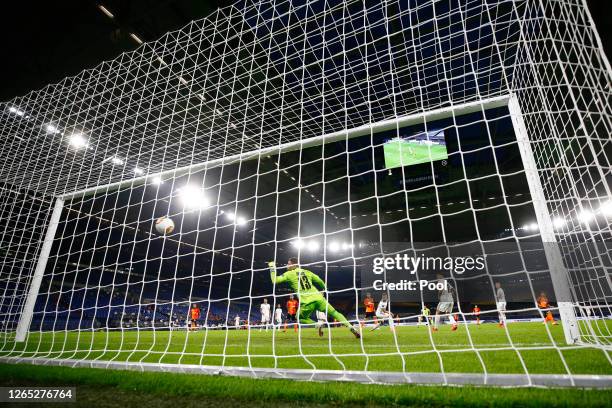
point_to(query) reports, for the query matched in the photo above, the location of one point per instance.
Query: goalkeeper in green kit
(302, 283)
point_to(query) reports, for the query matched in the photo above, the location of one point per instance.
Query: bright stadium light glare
(606, 208)
(334, 246)
(138, 171)
(193, 197)
(77, 140)
(117, 161)
(585, 216)
(312, 245)
(298, 243)
(346, 246)
(230, 216)
(558, 222)
(157, 180)
(13, 109)
(51, 129)
(527, 227)
(241, 221)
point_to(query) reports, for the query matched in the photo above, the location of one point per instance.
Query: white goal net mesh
(151, 204)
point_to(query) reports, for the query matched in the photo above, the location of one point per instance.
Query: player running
(370, 315)
(476, 311)
(382, 312)
(500, 299)
(303, 281)
(425, 312)
(264, 308)
(195, 315)
(278, 317)
(445, 304)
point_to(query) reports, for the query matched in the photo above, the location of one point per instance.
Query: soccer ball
(164, 225)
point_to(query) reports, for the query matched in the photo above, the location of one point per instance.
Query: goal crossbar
(363, 130)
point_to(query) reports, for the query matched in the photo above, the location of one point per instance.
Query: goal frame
(558, 271)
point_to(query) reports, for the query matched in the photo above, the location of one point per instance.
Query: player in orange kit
(550, 318)
(543, 304)
(195, 315)
(370, 314)
(476, 311)
(292, 307)
(542, 301)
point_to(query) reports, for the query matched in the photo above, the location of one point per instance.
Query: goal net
(395, 191)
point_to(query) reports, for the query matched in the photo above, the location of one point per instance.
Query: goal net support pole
(28, 309)
(558, 272)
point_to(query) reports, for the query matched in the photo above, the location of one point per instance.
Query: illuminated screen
(423, 147)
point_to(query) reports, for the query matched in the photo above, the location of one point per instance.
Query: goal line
(368, 377)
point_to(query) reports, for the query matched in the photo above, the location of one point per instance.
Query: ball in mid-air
(164, 225)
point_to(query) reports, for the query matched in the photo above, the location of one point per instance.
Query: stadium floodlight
(298, 243)
(559, 222)
(78, 141)
(50, 128)
(117, 160)
(606, 208)
(585, 216)
(16, 111)
(461, 100)
(334, 246)
(193, 197)
(312, 245)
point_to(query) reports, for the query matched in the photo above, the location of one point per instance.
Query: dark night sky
(44, 42)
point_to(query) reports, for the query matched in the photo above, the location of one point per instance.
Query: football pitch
(400, 153)
(485, 348)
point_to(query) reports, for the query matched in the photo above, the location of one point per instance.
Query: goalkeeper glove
(272, 264)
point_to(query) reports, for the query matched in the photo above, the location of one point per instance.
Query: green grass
(400, 153)
(98, 388)
(487, 348)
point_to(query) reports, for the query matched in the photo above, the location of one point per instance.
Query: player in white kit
(278, 317)
(264, 308)
(321, 321)
(500, 300)
(383, 313)
(237, 321)
(445, 304)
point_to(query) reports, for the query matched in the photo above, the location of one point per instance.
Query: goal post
(25, 317)
(558, 273)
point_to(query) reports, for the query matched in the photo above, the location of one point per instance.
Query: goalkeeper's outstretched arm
(273, 276)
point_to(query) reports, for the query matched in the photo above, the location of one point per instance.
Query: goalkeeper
(301, 282)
